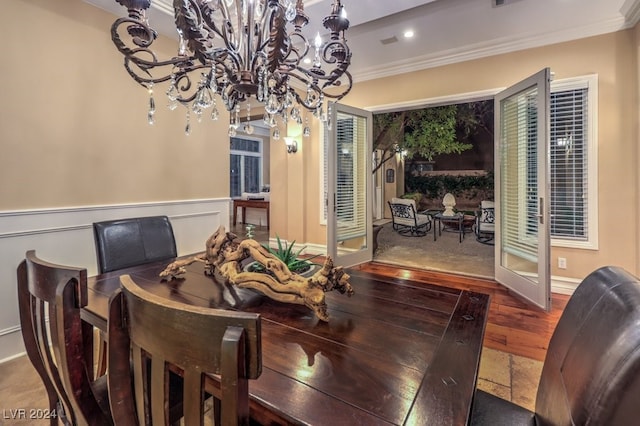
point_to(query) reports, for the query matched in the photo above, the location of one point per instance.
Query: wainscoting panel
(65, 236)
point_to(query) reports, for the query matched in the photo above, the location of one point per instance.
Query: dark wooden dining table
(395, 353)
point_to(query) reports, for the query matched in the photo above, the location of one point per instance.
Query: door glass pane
(236, 188)
(351, 211)
(246, 166)
(252, 174)
(519, 188)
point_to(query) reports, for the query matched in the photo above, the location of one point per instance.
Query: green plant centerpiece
(285, 252)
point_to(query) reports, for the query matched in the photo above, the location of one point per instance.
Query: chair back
(403, 210)
(487, 216)
(58, 343)
(406, 220)
(134, 241)
(162, 336)
(591, 374)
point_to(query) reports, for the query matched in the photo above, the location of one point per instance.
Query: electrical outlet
(562, 263)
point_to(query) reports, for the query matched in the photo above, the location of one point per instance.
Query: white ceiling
(446, 31)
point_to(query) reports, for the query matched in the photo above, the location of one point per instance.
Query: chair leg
(485, 238)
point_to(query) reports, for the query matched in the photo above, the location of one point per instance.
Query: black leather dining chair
(122, 243)
(129, 242)
(591, 373)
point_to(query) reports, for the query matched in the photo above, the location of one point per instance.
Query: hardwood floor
(513, 325)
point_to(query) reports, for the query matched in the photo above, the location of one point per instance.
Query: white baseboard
(11, 344)
(65, 236)
(564, 285)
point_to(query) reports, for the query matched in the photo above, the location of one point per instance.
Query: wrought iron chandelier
(238, 50)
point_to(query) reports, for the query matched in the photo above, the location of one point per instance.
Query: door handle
(541, 210)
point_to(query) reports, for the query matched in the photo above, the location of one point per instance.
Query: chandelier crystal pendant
(239, 50)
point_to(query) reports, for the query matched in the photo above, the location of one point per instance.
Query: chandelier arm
(346, 91)
(311, 105)
(314, 94)
(139, 32)
(266, 19)
(183, 84)
(311, 79)
(303, 42)
(336, 51)
(137, 66)
(182, 78)
(315, 75)
(239, 23)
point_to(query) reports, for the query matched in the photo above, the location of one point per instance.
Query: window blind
(351, 191)
(519, 200)
(568, 164)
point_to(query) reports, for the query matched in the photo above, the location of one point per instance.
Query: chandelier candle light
(239, 50)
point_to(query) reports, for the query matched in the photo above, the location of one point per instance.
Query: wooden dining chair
(149, 337)
(591, 373)
(58, 343)
(134, 241)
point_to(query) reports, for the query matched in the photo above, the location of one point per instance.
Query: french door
(349, 186)
(522, 188)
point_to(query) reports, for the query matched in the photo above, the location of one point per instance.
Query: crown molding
(494, 47)
(631, 11)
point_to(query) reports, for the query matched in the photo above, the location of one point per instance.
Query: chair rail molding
(65, 236)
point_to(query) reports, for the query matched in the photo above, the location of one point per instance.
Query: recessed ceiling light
(408, 34)
(307, 60)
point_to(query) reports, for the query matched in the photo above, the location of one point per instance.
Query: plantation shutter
(568, 166)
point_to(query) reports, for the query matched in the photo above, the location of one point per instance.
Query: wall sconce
(292, 145)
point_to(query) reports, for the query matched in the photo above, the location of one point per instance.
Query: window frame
(259, 154)
(589, 82)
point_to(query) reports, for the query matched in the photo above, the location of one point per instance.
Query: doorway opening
(452, 153)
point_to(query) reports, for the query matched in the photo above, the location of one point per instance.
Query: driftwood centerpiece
(224, 257)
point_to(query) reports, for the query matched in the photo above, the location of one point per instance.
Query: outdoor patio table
(439, 218)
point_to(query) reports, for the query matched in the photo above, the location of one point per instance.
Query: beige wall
(73, 127)
(295, 187)
(614, 58)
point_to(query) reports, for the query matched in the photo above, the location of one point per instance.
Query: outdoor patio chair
(485, 227)
(406, 220)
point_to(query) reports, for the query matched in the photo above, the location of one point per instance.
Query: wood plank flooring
(513, 325)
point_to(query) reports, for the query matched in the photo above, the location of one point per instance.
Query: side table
(252, 204)
(437, 223)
